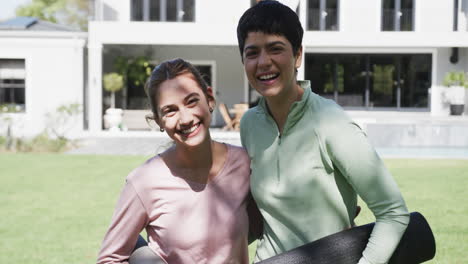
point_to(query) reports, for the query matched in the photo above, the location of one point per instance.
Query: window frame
(163, 11)
(322, 19)
(396, 15)
(14, 83)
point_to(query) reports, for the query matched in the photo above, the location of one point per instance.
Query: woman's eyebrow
(252, 46)
(275, 43)
(268, 45)
(164, 107)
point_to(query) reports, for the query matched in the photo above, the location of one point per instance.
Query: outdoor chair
(230, 123)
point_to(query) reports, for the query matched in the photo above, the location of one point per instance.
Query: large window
(323, 15)
(163, 10)
(371, 80)
(12, 85)
(397, 15)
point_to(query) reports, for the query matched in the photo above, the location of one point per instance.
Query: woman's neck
(279, 106)
(197, 157)
(198, 164)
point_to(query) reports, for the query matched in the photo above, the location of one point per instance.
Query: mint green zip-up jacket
(306, 180)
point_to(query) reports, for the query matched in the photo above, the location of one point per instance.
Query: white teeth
(190, 130)
(266, 77)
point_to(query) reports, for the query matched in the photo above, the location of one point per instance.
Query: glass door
(371, 80)
(384, 85)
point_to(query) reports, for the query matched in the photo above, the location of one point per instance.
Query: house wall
(352, 20)
(220, 11)
(434, 15)
(54, 76)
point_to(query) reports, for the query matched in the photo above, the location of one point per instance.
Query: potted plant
(456, 82)
(113, 82)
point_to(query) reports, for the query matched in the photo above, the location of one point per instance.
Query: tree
(73, 13)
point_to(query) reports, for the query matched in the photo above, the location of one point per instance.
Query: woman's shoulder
(237, 156)
(326, 113)
(251, 115)
(237, 164)
(148, 170)
(236, 151)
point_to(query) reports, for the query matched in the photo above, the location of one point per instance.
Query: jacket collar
(296, 110)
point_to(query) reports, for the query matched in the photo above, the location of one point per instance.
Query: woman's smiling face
(184, 110)
(270, 63)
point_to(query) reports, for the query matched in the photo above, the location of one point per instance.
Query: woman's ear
(298, 57)
(210, 97)
(157, 120)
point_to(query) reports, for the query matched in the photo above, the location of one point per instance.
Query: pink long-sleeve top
(186, 222)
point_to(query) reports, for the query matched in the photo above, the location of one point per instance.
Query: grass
(55, 208)
(438, 190)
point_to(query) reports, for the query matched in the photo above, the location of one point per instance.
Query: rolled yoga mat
(142, 254)
(416, 246)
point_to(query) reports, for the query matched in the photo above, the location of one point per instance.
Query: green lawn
(55, 208)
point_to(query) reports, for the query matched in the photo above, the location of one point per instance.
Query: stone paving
(401, 135)
(137, 143)
(149, 144)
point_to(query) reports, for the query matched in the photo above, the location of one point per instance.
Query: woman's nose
(264, 59)
(185, 117)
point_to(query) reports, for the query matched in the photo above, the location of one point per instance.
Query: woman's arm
(255, 220)
(355, 158)
(130, 217)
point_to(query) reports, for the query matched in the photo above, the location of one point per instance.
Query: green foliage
(73, 13)
(63, 119)
(7, 121)
(455, 79)
(39, 143)
(41, 9)
(329, 86)
(113, 82)
(57, 125)
(383, 79)
(10, 108)
(135, 70)
(43, 143)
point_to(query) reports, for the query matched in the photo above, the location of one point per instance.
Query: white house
(368, 55)
(42, 66)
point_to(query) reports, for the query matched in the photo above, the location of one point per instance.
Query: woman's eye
(277, 49)
(169, 113)
(193, 101)
(250, 54)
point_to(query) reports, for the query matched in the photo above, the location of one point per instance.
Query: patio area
(393, 134)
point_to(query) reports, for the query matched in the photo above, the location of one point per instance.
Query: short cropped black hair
(270, 17)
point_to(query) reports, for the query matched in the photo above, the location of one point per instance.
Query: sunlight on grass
(56, 208)
(438, 190)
